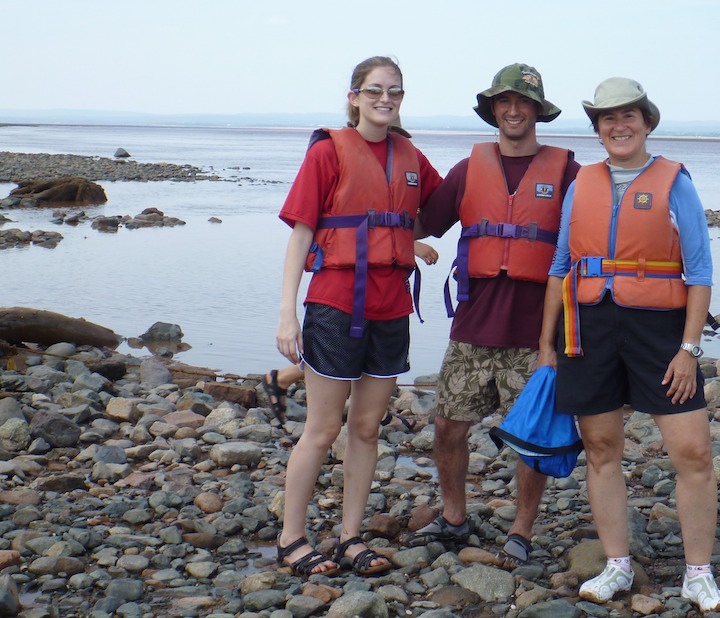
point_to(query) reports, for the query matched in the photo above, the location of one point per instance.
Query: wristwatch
(692, 349)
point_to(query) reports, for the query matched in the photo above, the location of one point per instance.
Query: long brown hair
(359, 74)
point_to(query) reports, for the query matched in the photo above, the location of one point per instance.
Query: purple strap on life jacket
(416, 292)
(362, 223)
(509, 230)
(360, 286)
(317, 136)
(501, 230)
(446, 292)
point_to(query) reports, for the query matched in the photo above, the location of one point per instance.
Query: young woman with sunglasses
(357, 193)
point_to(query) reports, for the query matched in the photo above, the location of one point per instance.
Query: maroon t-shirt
(501, 312)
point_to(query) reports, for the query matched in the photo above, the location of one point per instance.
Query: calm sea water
(221, 282)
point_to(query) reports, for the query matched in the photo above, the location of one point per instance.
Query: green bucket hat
(524, 80)
(617, 92)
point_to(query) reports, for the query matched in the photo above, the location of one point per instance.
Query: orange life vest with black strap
(631, 248)
(371, 220)
(518, 232)
(389, 199)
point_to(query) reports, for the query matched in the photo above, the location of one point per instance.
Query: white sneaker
(602, 588)
(703, 591)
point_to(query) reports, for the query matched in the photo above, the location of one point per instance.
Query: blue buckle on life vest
(507, 230)
(532, 232)
(389, 219)
(591, 266)
(373, 219)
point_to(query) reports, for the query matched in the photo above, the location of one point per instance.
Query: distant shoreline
(686, 138)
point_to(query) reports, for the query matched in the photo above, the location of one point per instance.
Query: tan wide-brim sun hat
(524, 80)
(616, 92)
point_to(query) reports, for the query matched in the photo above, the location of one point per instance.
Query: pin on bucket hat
(617, 92)
(524, 80)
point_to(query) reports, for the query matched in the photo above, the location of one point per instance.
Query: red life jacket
(516, 233)
(371, 220)
(387, 199)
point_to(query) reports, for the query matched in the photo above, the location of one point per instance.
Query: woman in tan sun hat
(633, 273)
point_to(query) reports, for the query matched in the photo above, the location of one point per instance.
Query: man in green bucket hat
(521, 79)
(507, 196)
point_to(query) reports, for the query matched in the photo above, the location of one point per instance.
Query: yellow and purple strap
(601, 267)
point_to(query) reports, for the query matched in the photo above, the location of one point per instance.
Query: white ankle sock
(696, 569)
(623, 563)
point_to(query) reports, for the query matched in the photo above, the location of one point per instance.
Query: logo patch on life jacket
(643, 201)
(544, 190)
(412, 180)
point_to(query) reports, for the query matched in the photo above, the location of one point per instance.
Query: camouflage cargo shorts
(476, 381)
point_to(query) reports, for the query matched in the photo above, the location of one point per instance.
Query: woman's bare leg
(325, 404)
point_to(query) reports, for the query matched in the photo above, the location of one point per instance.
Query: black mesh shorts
(329, 350)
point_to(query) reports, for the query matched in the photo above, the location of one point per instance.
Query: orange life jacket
(515, 232)
(371, 219)
(633, 249)
(381, 202)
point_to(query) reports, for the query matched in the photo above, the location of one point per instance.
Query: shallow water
(221, 282)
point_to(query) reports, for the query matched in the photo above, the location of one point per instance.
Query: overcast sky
(238, 56)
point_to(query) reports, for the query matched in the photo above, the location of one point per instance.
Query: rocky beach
(141, 487)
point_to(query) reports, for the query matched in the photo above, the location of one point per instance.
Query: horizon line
(99, 112)
(456, 130)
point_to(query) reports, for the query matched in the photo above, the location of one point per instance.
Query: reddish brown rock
(20, 496)
(204, 540)
(235, 393)
(326, 594)
(9, 558)
(475, 554)
(421, 516)
(384, 525)
(184, 418)
(208, 502)
(58, 191)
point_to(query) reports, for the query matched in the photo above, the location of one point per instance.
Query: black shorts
(329, 350)
(627, 352)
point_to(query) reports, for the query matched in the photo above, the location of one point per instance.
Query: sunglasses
(375, 92)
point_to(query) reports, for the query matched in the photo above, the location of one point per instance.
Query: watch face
(692, 349)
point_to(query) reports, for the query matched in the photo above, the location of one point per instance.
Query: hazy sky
(238, 56)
